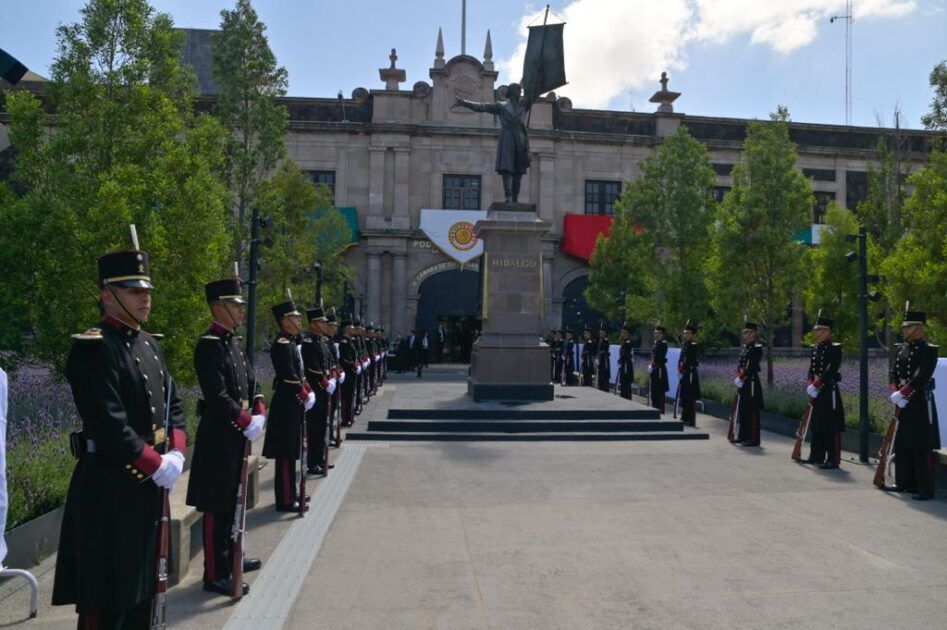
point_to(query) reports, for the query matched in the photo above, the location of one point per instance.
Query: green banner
(544, 66)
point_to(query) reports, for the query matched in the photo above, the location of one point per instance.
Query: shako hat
(913, 317)
(822, 322)
(316, 314)
(127, 268)
(690, 327)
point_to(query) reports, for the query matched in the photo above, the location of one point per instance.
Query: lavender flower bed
(787, 396)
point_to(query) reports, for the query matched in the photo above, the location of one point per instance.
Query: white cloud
(614, 46)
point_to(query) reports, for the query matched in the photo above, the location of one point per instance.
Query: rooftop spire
(439, 50)
(488, 53)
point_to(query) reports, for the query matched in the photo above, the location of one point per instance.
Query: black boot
(223, 586)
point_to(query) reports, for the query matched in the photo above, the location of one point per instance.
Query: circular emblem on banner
(461, 235)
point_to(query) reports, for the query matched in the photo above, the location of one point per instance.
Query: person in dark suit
(658, 369)
(603, 365)
(419, 349)
(748, 384)
(318, 361)
(626, 363)
(232, 411)
(828, 413)
(568, 359)
(687, 363)
(589, 355)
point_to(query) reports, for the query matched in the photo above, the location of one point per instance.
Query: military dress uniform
(658, 371)
(122, 390)
(287, 412)
(918, 434)
(603, 365)
(827, 418)
(348, 362)
(568, 360)
(589, 354)
(626, 367)
(317, 359)
(689, 391)
(230, 397)
(334, 399)
(750, 390)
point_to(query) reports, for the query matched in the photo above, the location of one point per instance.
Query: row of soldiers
(910, 380)
(113, 560)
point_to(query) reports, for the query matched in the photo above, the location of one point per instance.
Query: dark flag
(10, 69)
(544, 67)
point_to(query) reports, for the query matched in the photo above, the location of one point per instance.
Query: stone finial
(439, 50)
(392, 76)
(664, 97)
(488, 53)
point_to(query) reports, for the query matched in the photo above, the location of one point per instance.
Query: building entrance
(449, 303)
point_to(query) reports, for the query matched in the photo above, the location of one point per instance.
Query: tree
(303, 228)
(122, 145)
(611, 270)
(754, 263)
(937, 117)
(916, 270)
(250, 82)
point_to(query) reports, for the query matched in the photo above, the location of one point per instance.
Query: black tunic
(748, 369)
(687, 364)
(286, 411)
(603, 365)
(912, 373)
(828, 413)
(659, 369)
(228, 389)
(107, 545)
(589, 353)
(568, 362)
(626, 368)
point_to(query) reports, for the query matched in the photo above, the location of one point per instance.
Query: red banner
(580, 231)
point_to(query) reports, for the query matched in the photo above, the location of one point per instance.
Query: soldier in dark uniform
(348, 361)
(232, 412)
(589, 354)
(748, 383)
(124, 394)
(689, 391)
(292, 397)
(338, 373)
(912, 387)
(317, 359)
(551, 342)
(557, 359)
(603, 361)
(658, 369)
(568, 359)
(626, 368)
(371, 353)
(828, 414)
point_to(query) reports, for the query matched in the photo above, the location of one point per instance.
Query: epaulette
(307, 340)
(158, 336)
(211, 337)
(92, 334)
(758, 345)
(282, 340)
(932, 345)
(836, 344)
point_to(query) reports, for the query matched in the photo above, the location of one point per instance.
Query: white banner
(452, 231)
(3, 464)
(940, 399)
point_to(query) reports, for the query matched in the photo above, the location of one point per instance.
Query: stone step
(404, 436)
(525, 426)
(497, 412)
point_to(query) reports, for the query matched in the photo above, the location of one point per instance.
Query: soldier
(557, 359)
(603, 361)
(334, 410)
(568, 358)
(912, 388)
(348, 361)
(689, 383)
(130, 448)
(626, 368)
(589, 354)
(551, 342)
(657, 369)
(292, 398)
(749, 388)
(371, 351)
(317, 359)
(828, 415)
(232, 412)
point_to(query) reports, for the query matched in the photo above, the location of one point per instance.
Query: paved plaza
(574, 535)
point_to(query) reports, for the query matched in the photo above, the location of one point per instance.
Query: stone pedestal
(510, 361)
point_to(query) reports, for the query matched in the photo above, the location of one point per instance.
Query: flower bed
(41, 414)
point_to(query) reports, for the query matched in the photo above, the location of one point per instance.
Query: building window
(600, 196)
(820, 174)
(720, 192)
(822, 201)
(724, 170)
(461, 192)
(324, 178)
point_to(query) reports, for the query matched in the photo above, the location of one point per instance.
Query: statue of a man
(513, 147)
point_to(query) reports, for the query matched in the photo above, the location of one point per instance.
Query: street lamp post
(318, 267)
(256, 222)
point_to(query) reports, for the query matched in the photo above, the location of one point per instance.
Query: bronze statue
(513, 146)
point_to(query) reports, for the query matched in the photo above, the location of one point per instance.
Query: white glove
(331, 386)
(341, 377)
(310, 401)
(358, 368)
(738, 382)
(899, 399)
(172, 464)
(366, 364)
(650, 369)
(255, 428)
(812, 390)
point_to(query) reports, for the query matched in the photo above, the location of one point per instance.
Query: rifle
(801, 432)
(239, 528)
(328, 435)
(303, 455)
(677, 395)
(886, 453)
(734, 430)
(159, 599)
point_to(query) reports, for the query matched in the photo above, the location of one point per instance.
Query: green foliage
(249, 81)
(304, 227)
(754, 265)
(916, 270)
(38, 477)
(612, 270)
(126, 148)
(831, 282)
(937, 117)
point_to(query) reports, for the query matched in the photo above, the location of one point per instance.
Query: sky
(728, 58)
